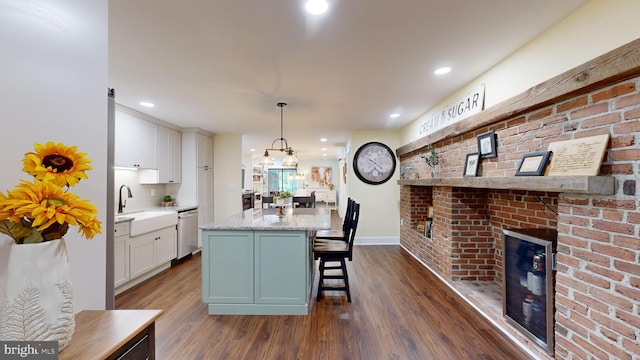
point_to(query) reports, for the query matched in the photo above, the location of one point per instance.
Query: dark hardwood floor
(399, 311)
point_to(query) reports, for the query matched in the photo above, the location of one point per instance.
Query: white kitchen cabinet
(197, 175)
(151, 250)
(135, 142)
(166, 246)
(169, 153)
(205, 199)
(121, 254)
(205, 151)
(141, 254)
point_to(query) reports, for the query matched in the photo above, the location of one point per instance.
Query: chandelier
(290, 158)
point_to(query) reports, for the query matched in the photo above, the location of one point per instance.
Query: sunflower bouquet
(43, 209)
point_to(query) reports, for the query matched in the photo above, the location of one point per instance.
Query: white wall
(227, 178)
(54, 88)
(379, 204)
(598, 27)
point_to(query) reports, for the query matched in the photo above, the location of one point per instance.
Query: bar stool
(338, 234)
(337, 251)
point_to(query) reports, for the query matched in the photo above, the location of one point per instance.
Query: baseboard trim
(387, 240)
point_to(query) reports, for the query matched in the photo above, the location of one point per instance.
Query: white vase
(5, 248)
(39, 298)
(284, 202)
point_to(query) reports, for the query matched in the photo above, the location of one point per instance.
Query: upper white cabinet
(169, 153)
(205, 151)
(135, 142)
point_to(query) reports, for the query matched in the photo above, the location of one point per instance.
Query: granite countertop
(268, 219)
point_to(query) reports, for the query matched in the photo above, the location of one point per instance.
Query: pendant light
(290, 159)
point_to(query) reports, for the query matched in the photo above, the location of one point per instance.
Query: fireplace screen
(528, 282)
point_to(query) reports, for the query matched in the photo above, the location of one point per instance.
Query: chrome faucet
(122, 205)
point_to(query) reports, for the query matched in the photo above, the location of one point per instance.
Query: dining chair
(338, 234)
(266, 200)
(337, 251)
(303, 201)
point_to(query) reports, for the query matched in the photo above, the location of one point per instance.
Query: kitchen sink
(147, 221)
(122, 218)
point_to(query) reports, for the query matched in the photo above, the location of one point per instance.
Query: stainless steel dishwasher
(187, 232)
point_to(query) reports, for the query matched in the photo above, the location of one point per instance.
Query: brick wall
(598, 278)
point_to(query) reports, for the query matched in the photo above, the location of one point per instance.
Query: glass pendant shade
(266, 160)
(290, 159)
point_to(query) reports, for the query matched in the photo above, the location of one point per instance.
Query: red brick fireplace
(597, 218)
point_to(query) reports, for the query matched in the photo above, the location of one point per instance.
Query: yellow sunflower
(57, 163)
(46, 207)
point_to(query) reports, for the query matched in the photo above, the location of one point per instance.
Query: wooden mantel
(603, 185)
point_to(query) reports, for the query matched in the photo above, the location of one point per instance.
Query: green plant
(167, 198)
(432, 156)
(284, 195)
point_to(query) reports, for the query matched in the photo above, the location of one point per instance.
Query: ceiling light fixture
(147, 104)
(290, 158)
(316, 7)
(394, 115)
(443, 70)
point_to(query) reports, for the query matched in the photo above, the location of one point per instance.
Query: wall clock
(374, 163)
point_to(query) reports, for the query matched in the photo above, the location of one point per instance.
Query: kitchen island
(258, 263)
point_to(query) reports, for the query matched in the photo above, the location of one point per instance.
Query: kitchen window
(281, 180)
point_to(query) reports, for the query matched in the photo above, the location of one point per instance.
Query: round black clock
(374, 163)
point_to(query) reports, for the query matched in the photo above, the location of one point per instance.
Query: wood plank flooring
(399, 311)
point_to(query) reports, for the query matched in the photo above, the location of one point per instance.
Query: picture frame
(344, 172)
(533, 164)
(487, 145)
(471, 165)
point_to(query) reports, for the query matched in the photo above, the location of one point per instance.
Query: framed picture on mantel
(471, 165)
(533, 164)
(487, 145)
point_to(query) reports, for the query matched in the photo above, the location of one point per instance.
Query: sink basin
(147, 221)
(123, 218)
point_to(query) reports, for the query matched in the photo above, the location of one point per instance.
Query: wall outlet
(401, 221)
(153, 192)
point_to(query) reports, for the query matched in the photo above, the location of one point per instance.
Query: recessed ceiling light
(252, 150)
(443, 70)
(324, 149)
(147, 104)
(323, 139)
(394, 115)
(316, 7)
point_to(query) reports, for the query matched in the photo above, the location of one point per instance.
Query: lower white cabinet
(144, 256)
(121, 254)
(151, 250)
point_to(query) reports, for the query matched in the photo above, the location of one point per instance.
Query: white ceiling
(222, 65)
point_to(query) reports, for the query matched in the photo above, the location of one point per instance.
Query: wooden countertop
(98, 333)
